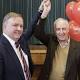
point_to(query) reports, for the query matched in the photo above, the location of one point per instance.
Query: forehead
(15, 20)
(61, 24)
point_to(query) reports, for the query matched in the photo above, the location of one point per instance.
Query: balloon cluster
(73, 13)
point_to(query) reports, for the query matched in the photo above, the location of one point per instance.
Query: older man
(63, 54)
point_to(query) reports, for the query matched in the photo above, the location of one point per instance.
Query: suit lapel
(13, 55)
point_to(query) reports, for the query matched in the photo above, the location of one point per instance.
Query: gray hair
(61, 20)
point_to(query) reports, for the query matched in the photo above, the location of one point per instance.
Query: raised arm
(39, 32)
(29, 31)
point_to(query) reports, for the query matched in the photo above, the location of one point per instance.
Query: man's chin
(61, 39)
(17, 38)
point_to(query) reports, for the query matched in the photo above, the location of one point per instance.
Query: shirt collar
(65, 44)
(12, 42)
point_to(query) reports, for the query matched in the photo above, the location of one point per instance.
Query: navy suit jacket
(10, 67)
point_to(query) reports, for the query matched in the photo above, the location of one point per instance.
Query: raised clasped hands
(45, 7)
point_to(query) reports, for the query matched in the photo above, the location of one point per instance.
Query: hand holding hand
(41, 7)
(46, 8)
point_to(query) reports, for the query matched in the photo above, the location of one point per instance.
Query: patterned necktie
(26, 68)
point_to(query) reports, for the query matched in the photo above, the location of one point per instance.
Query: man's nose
(61, 31)
(19, 28)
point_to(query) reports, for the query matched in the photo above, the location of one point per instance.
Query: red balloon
(74, 31)
(76, 12)
(69, 10)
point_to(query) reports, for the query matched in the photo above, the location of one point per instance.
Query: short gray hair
(59, 20)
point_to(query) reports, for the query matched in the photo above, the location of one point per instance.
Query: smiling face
(61, 28)
(13, 27)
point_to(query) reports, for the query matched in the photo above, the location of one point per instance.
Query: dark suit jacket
(73, 61)
(10, 67)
